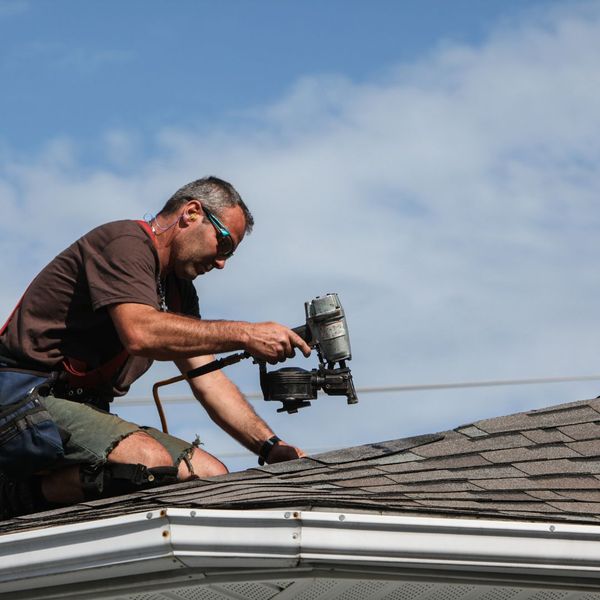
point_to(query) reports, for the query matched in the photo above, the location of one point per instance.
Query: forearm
(145, 331)
(167, 336)
(228, 408)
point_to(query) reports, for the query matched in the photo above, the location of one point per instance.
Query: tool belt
(97, 398)
(73, 381)
(30, 441)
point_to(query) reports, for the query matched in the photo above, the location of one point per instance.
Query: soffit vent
(351, 589)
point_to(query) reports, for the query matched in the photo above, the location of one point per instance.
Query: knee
(215, 467)
(203, 464)
(140, 448)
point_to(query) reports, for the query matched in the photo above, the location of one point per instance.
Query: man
(100, 313)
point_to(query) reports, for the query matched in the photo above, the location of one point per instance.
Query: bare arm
(228, 408)
(145, 331)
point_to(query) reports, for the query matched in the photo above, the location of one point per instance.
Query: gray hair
(214, 193)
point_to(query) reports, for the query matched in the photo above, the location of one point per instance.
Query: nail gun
(326, 331)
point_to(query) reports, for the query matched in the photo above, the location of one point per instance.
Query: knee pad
(113, 479)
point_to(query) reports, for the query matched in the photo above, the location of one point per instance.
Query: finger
(282, 352)
(300, 344)
(288, 348)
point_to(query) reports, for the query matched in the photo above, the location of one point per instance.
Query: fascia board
(141, 544)
(212, 539)
(169, 543)
(549, 550)
(354, 540)
(66, 554)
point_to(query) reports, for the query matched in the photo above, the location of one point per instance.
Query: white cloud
(122, 148)
(453, 205)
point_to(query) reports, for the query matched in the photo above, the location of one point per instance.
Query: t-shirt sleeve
(123, 271)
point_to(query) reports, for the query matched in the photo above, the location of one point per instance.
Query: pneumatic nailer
(326, 331)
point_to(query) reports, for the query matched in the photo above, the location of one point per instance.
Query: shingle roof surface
(537, 465)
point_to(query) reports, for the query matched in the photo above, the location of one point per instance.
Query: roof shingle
(536, 465)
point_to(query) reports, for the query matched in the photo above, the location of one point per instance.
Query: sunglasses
(225, 245)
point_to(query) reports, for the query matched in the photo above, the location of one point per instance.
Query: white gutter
(152, 549)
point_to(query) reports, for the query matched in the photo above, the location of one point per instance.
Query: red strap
(148, 229)
(77, 376)
(76, 369)
(12, 314)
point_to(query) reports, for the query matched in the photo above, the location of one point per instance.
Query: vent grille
(354, 589)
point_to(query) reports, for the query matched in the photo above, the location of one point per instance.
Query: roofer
(92, 322)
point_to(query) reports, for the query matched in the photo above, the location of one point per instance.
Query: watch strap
(266, 448)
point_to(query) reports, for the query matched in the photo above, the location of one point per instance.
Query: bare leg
(64, 486)
(203, 465)
(140, 448)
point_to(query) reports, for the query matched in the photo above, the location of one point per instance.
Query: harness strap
(148, 229)
(77, 375)
(12, 314)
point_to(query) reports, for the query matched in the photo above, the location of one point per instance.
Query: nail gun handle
(215, 365)
(304, 332)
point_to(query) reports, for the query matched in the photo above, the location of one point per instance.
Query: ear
(192, 210)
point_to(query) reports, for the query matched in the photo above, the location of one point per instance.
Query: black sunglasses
(225, 245)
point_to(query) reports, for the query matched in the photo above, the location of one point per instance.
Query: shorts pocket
(29, 438)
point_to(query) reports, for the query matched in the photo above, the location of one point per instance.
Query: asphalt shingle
(582, 431)
(536, 465)
(567, 482)
(465, 445)
(518, 455)
(539, 419)
(376, 450)
(587, 448)
(549, 435)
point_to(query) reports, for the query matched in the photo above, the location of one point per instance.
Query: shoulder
(123, 237)
(117, 246)
(117, 229)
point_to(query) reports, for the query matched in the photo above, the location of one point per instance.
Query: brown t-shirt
(63, 312)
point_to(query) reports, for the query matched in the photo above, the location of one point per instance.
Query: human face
(202, 244)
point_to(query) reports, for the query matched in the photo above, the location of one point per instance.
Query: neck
(159, 226)
(163, 236)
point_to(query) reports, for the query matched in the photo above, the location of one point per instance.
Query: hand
(273, 342)
(281, 452)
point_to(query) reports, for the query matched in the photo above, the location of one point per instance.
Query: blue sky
(434, 162)
(78, 69)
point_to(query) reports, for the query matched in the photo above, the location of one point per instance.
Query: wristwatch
(265, 449)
